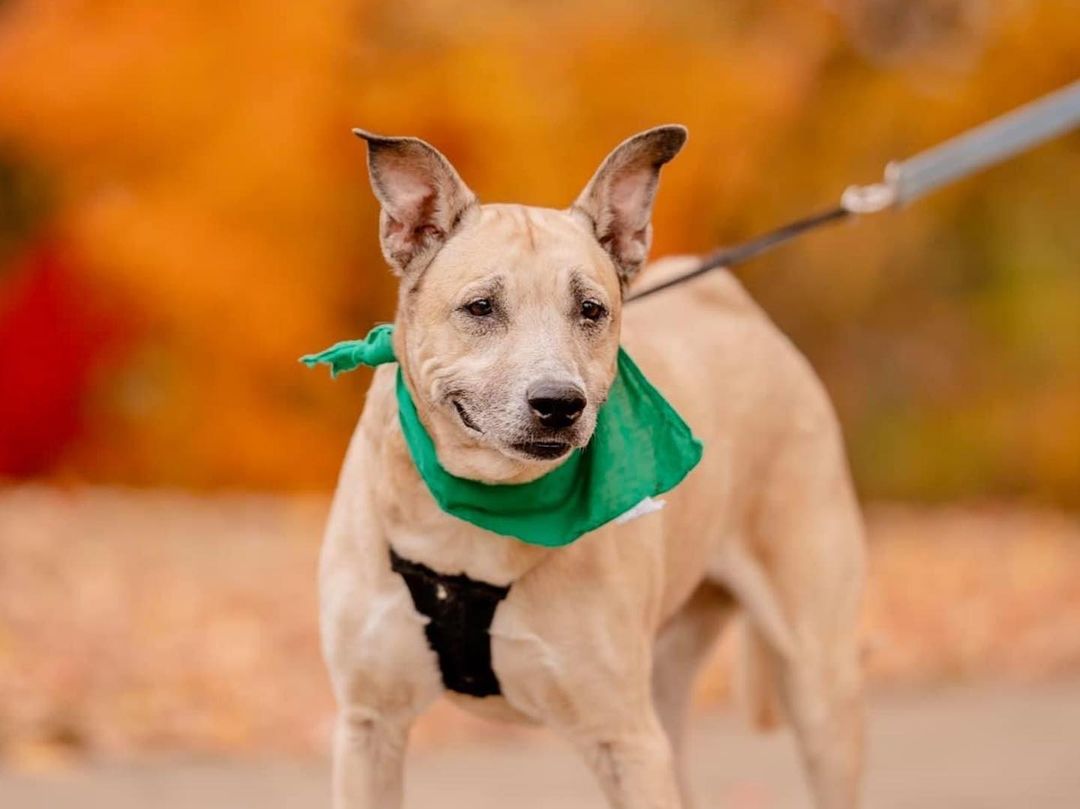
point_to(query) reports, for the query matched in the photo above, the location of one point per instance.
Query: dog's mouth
(546, 450)
(463, 414)
(543, 450)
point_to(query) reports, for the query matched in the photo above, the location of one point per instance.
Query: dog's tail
(755, 679)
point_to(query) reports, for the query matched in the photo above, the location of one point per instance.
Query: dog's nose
(556, 404)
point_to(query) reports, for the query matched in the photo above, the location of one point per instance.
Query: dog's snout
(556, 404)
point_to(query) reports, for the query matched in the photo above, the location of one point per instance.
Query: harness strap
(459, 611)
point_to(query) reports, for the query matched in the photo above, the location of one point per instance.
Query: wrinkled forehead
(532, 252)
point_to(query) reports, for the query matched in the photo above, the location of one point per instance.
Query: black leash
(731, 256)
(1050, 116)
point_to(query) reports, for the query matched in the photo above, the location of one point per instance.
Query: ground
(159, 650)
(984, 747)
(156, 622)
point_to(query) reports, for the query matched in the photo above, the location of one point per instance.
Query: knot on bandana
(639, 449)
(375, 349)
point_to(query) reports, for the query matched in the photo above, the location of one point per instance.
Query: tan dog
(504, 306)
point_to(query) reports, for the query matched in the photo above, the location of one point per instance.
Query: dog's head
(508, 316)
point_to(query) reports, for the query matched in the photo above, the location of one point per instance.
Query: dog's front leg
(636, 769)
(602, 704)
(582, 665)
(384, 675)
(369, 756)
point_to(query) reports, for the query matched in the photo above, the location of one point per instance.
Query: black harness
(460, 611)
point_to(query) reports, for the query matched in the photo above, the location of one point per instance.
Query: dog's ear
(422, 197)
(618, 200)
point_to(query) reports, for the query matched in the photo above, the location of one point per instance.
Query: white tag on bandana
(646, 506)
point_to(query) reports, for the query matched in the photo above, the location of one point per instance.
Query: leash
(908, 180)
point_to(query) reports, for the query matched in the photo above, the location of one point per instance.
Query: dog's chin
(548, 446)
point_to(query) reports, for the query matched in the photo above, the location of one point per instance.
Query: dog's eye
(592, 310)
(481, 307)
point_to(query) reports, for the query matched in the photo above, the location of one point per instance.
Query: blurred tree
(203, 175)
(52, 342)
(23, 204)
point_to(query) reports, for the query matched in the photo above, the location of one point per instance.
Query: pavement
(984, 747)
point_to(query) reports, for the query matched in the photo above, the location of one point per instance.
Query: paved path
(984, 748)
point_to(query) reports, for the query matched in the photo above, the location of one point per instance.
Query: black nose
(556, 404)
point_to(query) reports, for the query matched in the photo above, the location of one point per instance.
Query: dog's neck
(459, 547)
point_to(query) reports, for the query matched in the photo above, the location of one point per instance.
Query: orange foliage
(204, 172)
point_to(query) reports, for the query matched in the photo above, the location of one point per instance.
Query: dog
(599, 640)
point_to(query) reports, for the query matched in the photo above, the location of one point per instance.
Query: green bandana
(640, 448)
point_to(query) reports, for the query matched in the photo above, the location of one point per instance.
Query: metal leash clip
(862, 199)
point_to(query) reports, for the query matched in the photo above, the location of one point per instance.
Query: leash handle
(908, 180)
(986, 145)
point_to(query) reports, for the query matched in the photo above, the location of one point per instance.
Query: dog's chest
(503, 646)
(490, 660)
(457, 577)
(418, 530)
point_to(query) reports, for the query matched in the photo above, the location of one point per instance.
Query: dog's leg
(821, 696)
(600, 700)
(635, 767)
(813, 562)
(368, 765)
(681, 648)
(582, 663)
(383, 676)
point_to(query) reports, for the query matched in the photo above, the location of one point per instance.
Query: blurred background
(183, 212)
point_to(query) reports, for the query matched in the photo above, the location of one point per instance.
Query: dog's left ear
(618, 200)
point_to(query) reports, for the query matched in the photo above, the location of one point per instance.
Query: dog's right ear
(422, 197)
